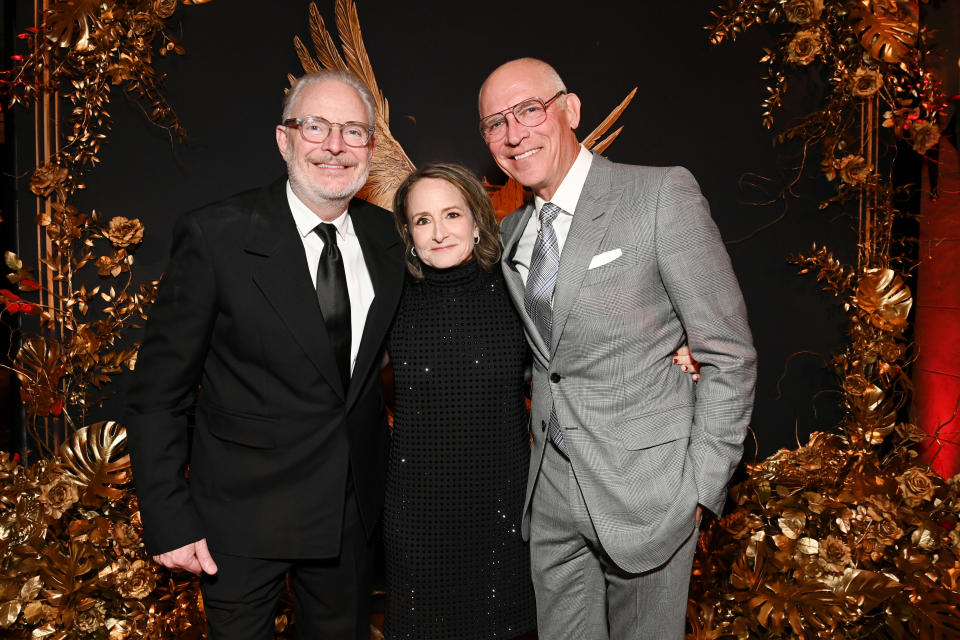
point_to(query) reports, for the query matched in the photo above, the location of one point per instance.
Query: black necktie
(334, 299)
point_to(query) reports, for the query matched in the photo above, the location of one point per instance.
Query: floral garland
(848, 536)
(72, 560)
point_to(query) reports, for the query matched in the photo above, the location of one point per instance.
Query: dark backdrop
(698, 105)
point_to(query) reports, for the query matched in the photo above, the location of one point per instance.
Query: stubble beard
(320, 195)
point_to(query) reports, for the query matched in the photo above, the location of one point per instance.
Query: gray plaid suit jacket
(647, 444)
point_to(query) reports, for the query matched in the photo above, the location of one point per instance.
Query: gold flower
(865, 83)
(46, 178)
(888, 532)
(90, 619)
(954, 538)
(59, 495)
(853, 169)
(834, 554)
(925, 135)
(916, 486)
(137, 581)
(804, 47)
(803, 11)
(164, 8)
(124, 232)
(126, 535)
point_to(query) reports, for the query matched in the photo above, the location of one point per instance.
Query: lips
(525, 154)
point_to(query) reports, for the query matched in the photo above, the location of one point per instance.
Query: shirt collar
(568, 193)
(306, 220)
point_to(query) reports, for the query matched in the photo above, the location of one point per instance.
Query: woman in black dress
(456, 566)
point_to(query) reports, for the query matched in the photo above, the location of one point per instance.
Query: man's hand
(193, 557)
(686, 362)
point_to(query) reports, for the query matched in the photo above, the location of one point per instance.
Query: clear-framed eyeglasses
(529, 113)
(316, 129)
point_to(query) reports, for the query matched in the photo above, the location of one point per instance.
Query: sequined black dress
(455, 563)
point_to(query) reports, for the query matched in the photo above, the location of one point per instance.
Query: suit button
(555, 377)
(543, 425)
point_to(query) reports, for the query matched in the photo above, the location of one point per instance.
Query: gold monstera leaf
(886, 38)
(885, 298)
(96, 459)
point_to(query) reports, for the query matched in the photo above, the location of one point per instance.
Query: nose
(516, 132)
(334, 141)
(439, 231)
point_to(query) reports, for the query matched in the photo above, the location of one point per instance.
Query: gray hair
(343, 76)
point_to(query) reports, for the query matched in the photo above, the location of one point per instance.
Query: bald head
(531, 70)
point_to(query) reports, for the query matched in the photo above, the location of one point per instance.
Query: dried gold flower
(865, 83)
(888, 532)
(46, 178)
(137, 581)
(126, 535)
(954, 538)
(59, 495)
(834, 554)
(124, 232)
(804, 47)
(853, 169)
(803, 11)
(925, 135)
(90, 619)
(916, 486)
(164, 8)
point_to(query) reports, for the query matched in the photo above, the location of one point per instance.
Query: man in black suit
(272, 325)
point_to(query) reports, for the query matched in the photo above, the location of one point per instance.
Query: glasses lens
(530, 113)
(493, 127)
(355, 134)
(315, 129)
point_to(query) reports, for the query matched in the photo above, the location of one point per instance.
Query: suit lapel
(598, 200)
(284, 279)
(382, 257)
(514, 281)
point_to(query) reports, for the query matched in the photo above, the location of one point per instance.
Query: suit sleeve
(706, 296)
(169, 366)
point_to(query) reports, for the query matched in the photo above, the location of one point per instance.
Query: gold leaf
(886, 38)
(65, 16)
(608, 121)
(883, 295)
(94, 459)
(8, 613)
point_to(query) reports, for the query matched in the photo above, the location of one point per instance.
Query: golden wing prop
(390, 164)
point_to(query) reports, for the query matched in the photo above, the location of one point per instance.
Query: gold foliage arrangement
(850, 535)
(72, 559)
(80, 53)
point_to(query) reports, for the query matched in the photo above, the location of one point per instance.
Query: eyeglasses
(316, 129)
(529, 113)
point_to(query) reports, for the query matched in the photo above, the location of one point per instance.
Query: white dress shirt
(359, 285)
(566, 197)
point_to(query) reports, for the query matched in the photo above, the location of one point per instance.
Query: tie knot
(327, 233)
(549, 212)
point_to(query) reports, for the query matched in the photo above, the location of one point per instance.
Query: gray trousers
(581, 593)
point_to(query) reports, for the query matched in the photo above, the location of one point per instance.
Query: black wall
(698, 105)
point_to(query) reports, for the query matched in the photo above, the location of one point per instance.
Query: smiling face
(440, 223)
(536, 157)
(325, 175)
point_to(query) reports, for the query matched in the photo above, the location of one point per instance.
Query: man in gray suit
(613, 267)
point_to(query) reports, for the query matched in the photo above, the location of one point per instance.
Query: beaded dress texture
(456, 566)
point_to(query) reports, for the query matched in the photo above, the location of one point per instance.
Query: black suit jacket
(275, 433)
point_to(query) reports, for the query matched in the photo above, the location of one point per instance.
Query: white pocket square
(603, 258)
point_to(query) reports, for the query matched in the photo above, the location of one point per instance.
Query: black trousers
(331, 596)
